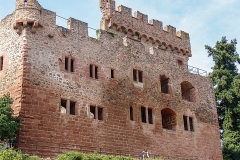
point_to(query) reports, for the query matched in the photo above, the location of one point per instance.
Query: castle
(127, 90)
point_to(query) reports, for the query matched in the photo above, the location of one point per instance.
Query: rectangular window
(93, 70)
(1, 63)
(63, 106)
(185, 123)
(69, 64)
(96, 113)
(150, 116)
(92, 110)
(72, 108)
(143, 114)
(96, 72)
(180, 63)
(140, 75)
(100, 114)
(188, 123)
(137, 76)
(131, 113)
(112, 73)
(67, 107)
(191, 124)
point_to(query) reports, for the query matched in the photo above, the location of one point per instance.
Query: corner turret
(27, 12)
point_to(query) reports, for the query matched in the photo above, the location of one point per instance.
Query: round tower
(27, 12)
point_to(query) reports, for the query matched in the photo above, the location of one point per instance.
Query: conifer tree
(226, 81)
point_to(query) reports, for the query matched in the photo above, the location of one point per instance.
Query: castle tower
(27, 12)
(107, 7)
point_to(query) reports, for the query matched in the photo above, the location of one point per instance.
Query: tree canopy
(8, 124)
(226, 81)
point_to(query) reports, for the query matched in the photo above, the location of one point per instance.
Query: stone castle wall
(45, 82)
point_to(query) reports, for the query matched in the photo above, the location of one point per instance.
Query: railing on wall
(52, 149)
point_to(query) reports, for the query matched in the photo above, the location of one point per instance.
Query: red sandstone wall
(45, 82)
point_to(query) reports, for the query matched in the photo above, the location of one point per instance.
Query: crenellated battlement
(121, 21)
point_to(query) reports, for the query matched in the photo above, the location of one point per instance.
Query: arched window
(164, 84)
(188, 91)
(168, 119)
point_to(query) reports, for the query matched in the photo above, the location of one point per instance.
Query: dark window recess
(135, 75)
(72, 65)
(100, 114)
(168, 119)
(69, 64)
(112, 73)
(96, 72)
(63, 104)
(1, 63)
(150, 116)
(72, 108)
(164, 84)
(131, 113)
(180, 63)
(91, 70)
(191, 124)
(143, 114)
(188, 91)
(92, 110)
(66, 63)
(140, 76)
(185, 123)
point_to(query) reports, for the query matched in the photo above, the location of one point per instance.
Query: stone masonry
(128, 90)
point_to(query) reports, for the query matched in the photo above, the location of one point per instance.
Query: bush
(71, 156)
(9, 154)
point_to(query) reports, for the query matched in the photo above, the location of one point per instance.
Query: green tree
(226, 81)
(8, 124)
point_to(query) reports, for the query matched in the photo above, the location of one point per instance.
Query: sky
(207, 21)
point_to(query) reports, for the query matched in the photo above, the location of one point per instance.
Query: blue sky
(205, 20)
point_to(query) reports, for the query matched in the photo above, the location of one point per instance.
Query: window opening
(63, 106)
(91, 70)
(67, 107)
(164, 84)
(191, 124)
(66, 63)
(131, 113)
(96, 112)
(143, 114)
(138, 76)
(168, 119)
(25, 2)
(135, 75)
(72, 65)
(185, 123)
(112, 73)
(1, 63)
(69, 64)
(150, 117)
(180, 63)
(72, 108)
(100, 114)
(96, 72)
(188, 91)
(92, 110)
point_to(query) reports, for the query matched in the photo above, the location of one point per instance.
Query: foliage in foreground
(9, 154)
(226, 80)
(8, 124)
(93, 156)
